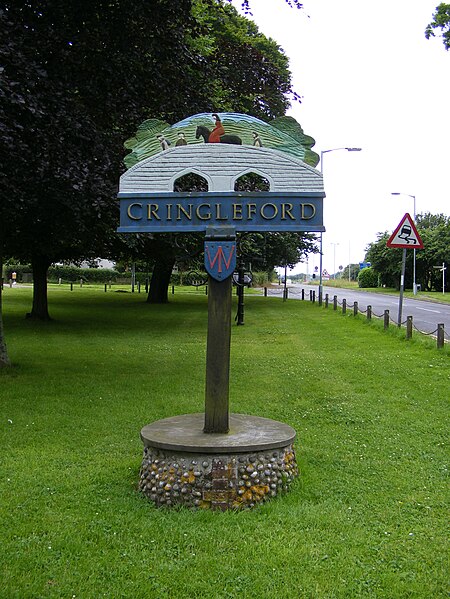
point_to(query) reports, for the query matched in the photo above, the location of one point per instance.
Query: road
(426, 315)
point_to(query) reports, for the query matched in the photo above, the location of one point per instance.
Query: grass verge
(367, 517)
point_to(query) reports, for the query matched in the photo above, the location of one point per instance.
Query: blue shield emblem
(220, 259)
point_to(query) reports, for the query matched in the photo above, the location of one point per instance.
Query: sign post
(225, 444)
(406, 237)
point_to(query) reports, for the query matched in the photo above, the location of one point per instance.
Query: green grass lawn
(368, 516)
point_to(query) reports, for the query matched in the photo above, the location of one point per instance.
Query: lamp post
(334, 260)
(398, 193)
(321, 234)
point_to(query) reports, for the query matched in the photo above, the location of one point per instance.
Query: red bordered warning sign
(405, 235)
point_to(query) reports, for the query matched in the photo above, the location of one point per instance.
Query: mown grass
(367, 517)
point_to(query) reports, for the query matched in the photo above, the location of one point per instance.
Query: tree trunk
(39, 308)
(159, 284)
(4, 360)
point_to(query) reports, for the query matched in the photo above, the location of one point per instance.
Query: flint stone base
(241, 469)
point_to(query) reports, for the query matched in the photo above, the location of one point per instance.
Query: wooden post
(218, 356)
(355, 308)
(409, 327)
(326, 300)
(440, 336)
(369, 312)
(335, 302)
(386, 319)
(303, 294)
(265, 291)
(344, 306)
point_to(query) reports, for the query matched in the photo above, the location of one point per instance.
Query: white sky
(369, 79)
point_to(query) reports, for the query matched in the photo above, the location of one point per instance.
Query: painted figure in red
(217, 132)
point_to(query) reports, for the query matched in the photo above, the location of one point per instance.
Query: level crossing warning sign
(405, 235)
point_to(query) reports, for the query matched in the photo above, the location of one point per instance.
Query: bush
(367, 277)
(89, 275)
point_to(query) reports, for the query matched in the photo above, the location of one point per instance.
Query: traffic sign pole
(402, 286)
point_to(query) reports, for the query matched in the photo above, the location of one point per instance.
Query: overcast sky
(369, 79)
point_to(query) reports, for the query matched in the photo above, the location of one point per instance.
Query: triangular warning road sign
(405, 235)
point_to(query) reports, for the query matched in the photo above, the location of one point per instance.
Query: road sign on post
(405, 235)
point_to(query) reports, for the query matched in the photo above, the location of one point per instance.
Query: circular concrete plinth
(246, 434)
(182, 465)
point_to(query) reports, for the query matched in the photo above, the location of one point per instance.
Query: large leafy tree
(76, 77)
(440, 24)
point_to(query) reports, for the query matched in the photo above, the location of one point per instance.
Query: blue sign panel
(220, 259)
(189, 212)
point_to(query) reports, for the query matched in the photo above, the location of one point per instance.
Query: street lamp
(398, 193)
(334, 260)
(321, 234)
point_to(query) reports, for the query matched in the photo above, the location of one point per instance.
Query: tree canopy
(440, 24)
(76, 78)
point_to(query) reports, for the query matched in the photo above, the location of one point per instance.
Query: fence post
(303, 294)
(326, 300)
(386, 319)
(440, 336)
(409, 328)
(369, 312)
(335, 302)
(265, 291)
(355, 308)
(344, 306)
(313, 299)
(310, 295)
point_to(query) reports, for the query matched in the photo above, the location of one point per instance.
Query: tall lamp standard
(334, 260)
(398, 193)
(321, 234)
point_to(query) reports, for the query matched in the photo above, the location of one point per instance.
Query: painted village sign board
(220, 148)
(161, 154)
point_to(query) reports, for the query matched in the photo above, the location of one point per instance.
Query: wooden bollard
(409, 327)
(386, 319)
(313, 298)
(265, 291)
(326, 300)
(344, 306)
(335, 302)
(440, 336)
(355, 308)
(369, 312)
(303, 294)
